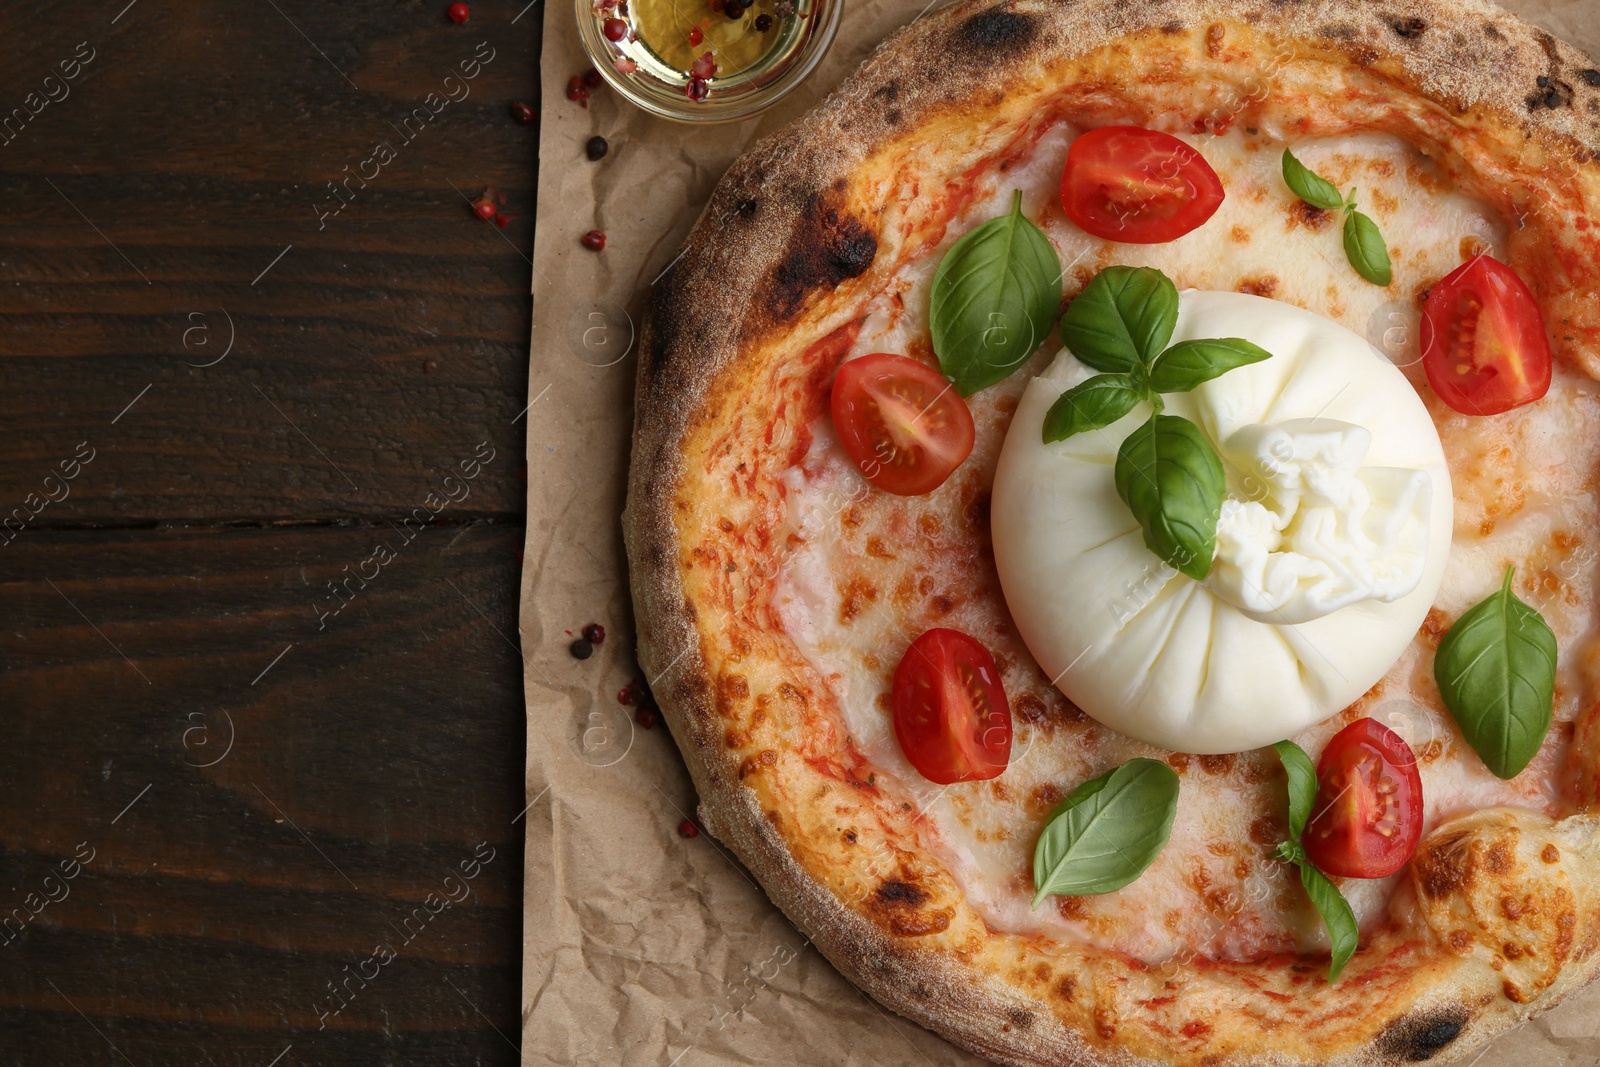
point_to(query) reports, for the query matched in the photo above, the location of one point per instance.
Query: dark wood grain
(364, 767)
(269, 789)
(198, 145)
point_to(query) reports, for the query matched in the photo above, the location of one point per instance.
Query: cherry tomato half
(950, 711)
(1126, 183)
(1368, 816)
(905, 427)
(1483, 340)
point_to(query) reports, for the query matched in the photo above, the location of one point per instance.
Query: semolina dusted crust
(1500, 916)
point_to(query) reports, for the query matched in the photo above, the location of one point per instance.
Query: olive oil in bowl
(706, 60)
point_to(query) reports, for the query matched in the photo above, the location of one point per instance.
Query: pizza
(1112, 516)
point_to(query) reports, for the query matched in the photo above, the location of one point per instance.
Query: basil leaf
(1122, 319)
(1302, 787)
(1496, 669)
(1336, 914)
(1330, 903)
(1191, 363)
(1107, 831)
(1089, 405)
(1365, 249)
(1171, 479)
(994, 297)
(1308, 185)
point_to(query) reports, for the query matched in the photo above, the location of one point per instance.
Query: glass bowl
(654, 63)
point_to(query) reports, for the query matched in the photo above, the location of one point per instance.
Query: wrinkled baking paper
(641, 947)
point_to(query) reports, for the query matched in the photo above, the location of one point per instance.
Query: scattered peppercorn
(783, 9)
(458, 12)
(625, 695)
(581, 649)
(733, 9)
(594, 240)
(695, 36)
(524, 113)
(576, 90)
(596, 148)
(502, 220)
(594, 633)
(763, 23)
(615, 29)
(687, 828)
(483, 207)
(591, 78)
(697, 90)
(647, 718)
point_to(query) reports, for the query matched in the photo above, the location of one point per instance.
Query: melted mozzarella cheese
(1329, 554)
(870, 571)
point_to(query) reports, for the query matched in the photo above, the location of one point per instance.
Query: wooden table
(245, 746)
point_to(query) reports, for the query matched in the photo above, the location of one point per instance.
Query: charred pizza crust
(1501, 917)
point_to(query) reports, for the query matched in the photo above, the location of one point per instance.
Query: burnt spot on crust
(1552, 93)
(993, 33)
(900, 894)
(675, 328)
(901, 904)
(828, 247)
(887, 95)
(1021, 1019)
(1420, 1037)
(1410, 27)
(1591, 77)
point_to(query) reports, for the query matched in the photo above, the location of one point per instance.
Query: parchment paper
(641, 947)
